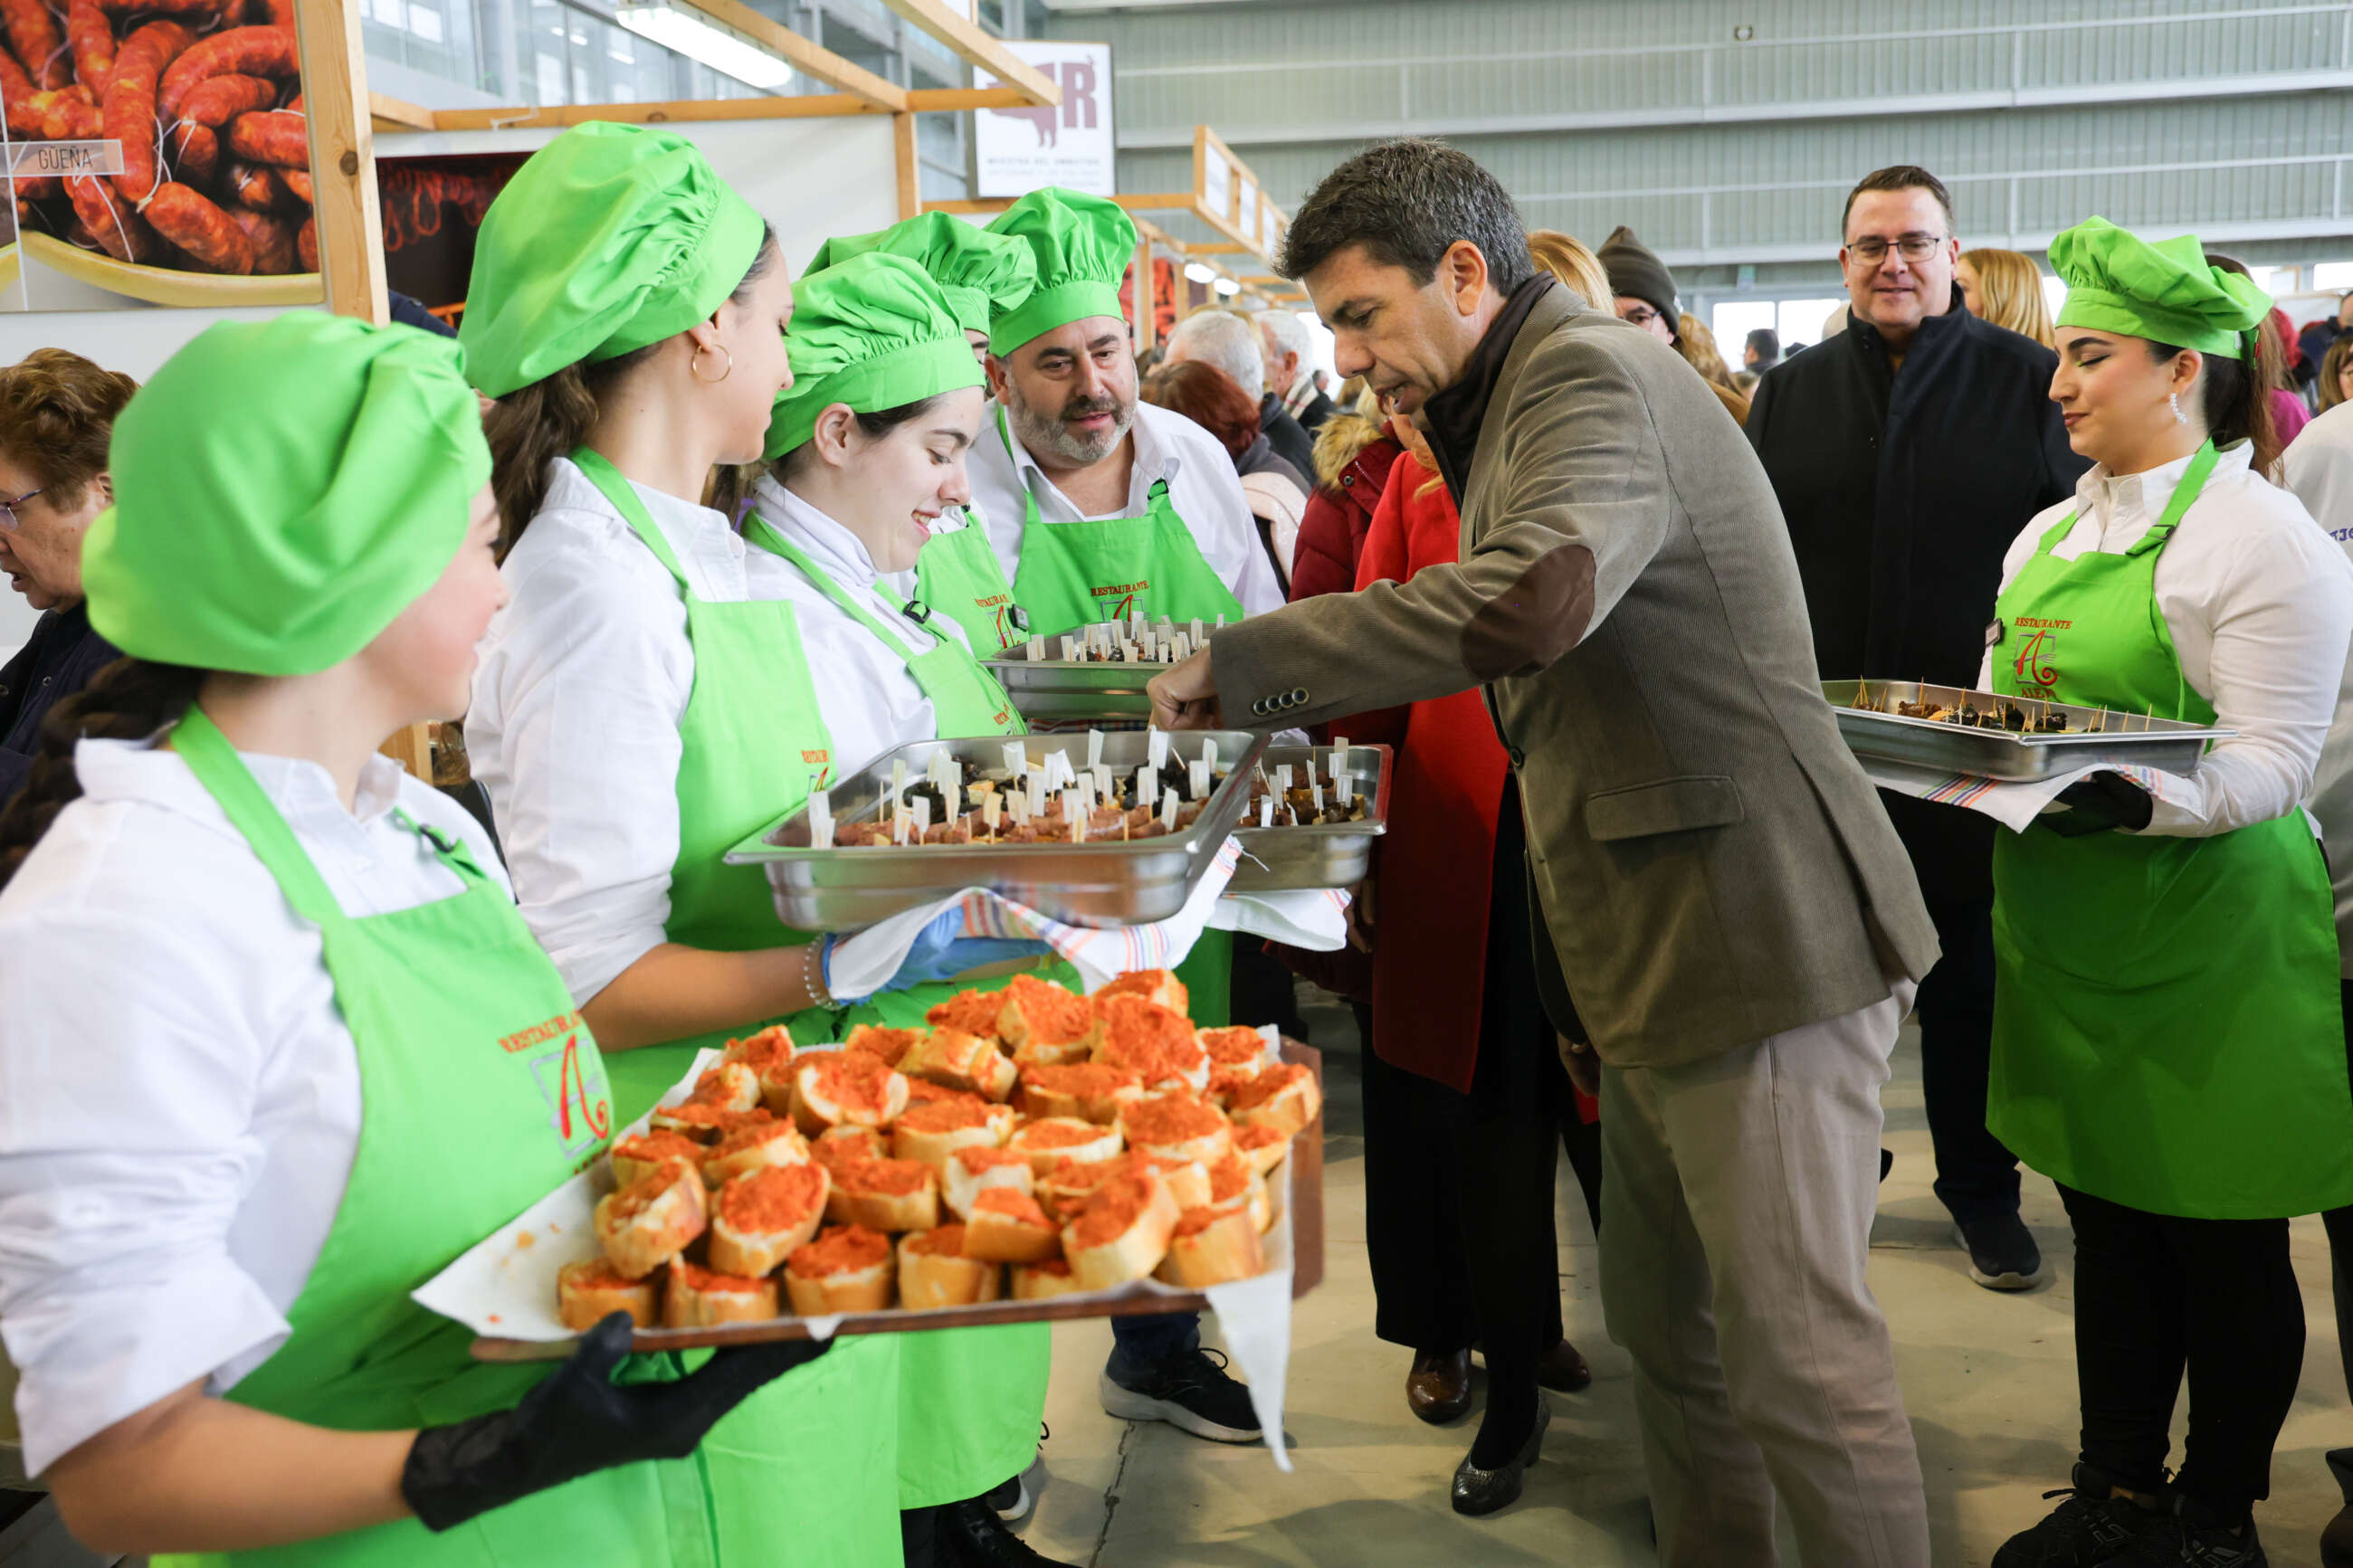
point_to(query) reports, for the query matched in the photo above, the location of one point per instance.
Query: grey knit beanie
(1636, 273)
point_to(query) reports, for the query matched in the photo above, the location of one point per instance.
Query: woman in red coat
(1453, 844)
(1353, 451)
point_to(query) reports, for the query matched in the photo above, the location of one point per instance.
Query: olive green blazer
(1713, 865)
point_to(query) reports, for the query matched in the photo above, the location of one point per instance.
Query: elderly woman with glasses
(56, 413)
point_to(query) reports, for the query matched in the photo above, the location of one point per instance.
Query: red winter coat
(1332, 533)
(1430, 949)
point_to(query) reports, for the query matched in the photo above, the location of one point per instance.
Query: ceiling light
(724, 50)
(1226, 285)
(1199, 272)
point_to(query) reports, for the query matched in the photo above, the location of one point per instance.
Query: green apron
(752, 739)
(2168, 1024)
(478, 1079)
(1075, 573)
(957, 574)
(970, 1400)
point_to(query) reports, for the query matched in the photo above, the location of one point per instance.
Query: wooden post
(348, 211)
(1140, 296)
(910, 171)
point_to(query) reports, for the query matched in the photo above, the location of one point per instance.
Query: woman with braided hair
(260, 1077)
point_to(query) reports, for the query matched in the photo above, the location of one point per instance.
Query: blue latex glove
(942, 951)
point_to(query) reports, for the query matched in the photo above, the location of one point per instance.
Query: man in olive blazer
(1737, 925)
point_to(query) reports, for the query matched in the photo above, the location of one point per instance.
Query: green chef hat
(2120, 282)
(982, 274)
(282, 490)
(609, 238)
(873, 332)
(1083, 246)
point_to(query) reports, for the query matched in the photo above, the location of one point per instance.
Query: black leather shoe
(1438, 1388)
(1562, 1369)
(1478, 1491)
(972, 1536)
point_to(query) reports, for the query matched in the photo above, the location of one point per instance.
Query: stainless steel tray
(1079, 884)
(1327, 855)
(1081, 690)
(1872, 727)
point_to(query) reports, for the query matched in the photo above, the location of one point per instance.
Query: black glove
(579, 1421)
(2100, 803)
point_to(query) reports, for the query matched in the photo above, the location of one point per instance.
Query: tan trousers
(1736, 1199)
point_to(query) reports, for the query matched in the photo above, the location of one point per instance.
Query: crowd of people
(677, 532)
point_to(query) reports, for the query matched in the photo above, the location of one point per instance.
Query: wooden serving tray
(1305, 1178)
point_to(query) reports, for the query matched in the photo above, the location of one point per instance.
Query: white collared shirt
(2260, 605)
(870, 702)
(2318, 468)
(582, 687)
(179, 1096)
(1202, 485)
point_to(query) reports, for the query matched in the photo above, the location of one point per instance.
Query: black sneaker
(972, 1536)
(1191, 1391)
(1012, 1501)
(2091, 1526)
(2002, 1254)
(2194, 1536)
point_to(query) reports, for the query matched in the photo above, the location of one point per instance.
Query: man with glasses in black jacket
(1907, 452)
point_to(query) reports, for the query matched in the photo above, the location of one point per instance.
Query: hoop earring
(701, 349)
(2178, 416)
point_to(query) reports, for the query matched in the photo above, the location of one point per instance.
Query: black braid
(129, 700)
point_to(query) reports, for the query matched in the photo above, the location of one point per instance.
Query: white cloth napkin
(862, 963)
(2015, 805)
(1312, 918)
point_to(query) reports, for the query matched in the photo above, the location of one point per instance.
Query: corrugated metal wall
(2228, 116)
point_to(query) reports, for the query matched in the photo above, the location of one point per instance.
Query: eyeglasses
(1640, 316)
(1912, 247)
(8, 518)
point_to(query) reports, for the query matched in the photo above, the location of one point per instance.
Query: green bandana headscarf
(2118, 282)
(983, 275)
(875, 333)
(1084, 246)
(282, 490)
(609, 238)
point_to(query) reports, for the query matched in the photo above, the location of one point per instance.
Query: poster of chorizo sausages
(154, 151)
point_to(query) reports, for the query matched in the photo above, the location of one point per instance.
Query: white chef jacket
(582, 687)
(179, 1096)
(2260, 607)
(2318, 468)
(1202, 485)
(870, 702)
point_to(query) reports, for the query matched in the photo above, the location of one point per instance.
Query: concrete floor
(1989, 1380)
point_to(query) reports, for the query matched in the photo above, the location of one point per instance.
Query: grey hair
(1226, 340)
(1406, 202)
(1290, 334)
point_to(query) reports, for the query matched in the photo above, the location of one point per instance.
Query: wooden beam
(808, 58)
(970, 42)
(811, 107)
(1160, 200)
(954, 100)
(910, 168)
(347, 210)
(393, 112)
(343, 159)
(1226, 248)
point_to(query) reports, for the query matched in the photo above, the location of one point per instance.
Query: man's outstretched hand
(1185, 696)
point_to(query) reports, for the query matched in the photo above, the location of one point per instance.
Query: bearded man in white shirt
(1093, 507)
